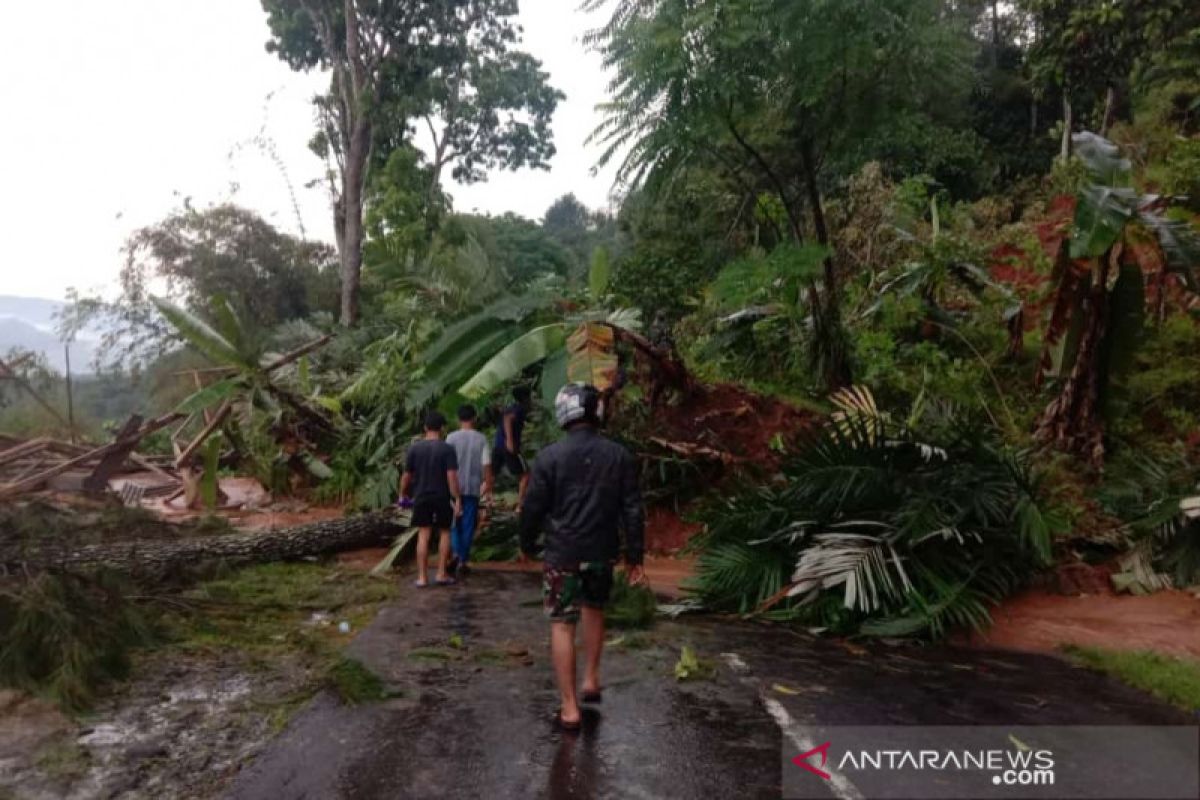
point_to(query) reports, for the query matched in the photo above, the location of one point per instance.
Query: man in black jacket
(583, 488)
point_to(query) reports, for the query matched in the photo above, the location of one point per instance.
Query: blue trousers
(462, 533)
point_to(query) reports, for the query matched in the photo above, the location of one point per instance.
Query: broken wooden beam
(282, 361)
(22, 450)
(27, 484)
(205, 432)
(111, 461)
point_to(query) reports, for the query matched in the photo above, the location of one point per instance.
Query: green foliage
(778, 276)
(514, 358)
(914, 534)
(1175, 680)
(67, 635)
(267, 609)
(214, 262)
(630, 607)
(691, 667)
(354, 683)
(1157, 497)
(599, 275)
(1158, 395)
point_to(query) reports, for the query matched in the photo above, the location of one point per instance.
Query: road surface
(475, 696)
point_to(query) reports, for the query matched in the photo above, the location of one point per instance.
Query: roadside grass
(268, 608)
(1175, 680)
(277, 612)
(355, 683)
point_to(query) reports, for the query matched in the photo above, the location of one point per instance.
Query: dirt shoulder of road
(1043, 622)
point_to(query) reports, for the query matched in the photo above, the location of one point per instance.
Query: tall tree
(209, 260)
(488, 108)
(1089, 48)
(771, 91)
(391, 63)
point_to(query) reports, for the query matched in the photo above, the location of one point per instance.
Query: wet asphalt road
(472, 719)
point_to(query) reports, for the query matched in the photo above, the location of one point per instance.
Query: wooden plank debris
(123, 444)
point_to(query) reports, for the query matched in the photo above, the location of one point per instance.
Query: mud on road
(473, 697)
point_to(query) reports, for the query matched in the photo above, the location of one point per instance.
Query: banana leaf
(1102, 159)
(1180, 244)
(210, 395)
(554, 377)
(398, 546)
(515, 358)
(599, 274)
(1100, 218)
(593, 355)
(456, 365)
(201, 335)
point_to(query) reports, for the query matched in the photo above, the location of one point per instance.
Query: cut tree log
(158, 559)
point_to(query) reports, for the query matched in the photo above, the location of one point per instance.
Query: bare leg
(423, 555)
(443, 554)
(562, 652)
(593, 645)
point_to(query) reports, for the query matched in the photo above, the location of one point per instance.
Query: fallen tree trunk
(156, 559)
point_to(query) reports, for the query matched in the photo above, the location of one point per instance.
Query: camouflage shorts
(565, 589)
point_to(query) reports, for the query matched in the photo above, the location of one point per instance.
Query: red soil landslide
(1038, 621)
(734, 420)
(666, 532)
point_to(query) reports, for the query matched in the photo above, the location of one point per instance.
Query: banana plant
(246, 398)
(580, 346)
(571, 343)
(1116, 254)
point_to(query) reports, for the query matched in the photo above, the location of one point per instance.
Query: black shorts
(513, 462)
(435, 513)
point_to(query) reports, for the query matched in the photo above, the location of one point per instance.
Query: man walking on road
(582, 486)
(431, 475)
(474, 481)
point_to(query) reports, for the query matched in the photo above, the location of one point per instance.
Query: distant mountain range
(28, 322)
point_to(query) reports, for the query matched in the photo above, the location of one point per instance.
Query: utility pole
(70, 397)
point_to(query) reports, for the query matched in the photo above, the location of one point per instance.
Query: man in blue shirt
(507, 452)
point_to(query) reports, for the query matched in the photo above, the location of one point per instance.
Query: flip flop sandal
(420, 585)
(592, 697)
(445, 581)
(567, 727)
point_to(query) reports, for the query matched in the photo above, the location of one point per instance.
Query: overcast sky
(115, 112)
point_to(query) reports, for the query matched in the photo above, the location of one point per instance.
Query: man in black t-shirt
(431, 475)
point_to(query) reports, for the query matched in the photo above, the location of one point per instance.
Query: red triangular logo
(802, 760)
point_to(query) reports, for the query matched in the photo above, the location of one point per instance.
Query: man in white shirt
(474, 480)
